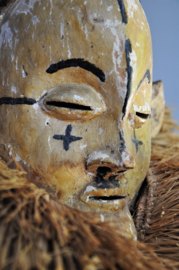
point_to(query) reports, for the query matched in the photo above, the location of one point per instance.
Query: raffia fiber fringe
(37, 231)
(159, 225)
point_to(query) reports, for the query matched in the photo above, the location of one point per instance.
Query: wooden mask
(75, 96)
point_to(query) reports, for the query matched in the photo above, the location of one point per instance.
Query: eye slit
(70, 106)
(142, 115)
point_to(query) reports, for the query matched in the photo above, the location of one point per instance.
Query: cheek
(22, 130)
(32, 134)
(138, 142)
(67, 179)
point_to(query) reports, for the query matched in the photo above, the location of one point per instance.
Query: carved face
(76, 97)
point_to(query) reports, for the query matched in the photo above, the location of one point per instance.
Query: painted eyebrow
(77, 63)
(146, 75)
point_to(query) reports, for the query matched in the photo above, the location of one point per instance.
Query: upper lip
(109, 183)
(106, 179)
(103, 189)
(105, 192)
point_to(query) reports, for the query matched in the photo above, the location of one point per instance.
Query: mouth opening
(107, 198)
(70, 106)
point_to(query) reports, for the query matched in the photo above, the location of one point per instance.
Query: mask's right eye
(72, 102)
(68, 105)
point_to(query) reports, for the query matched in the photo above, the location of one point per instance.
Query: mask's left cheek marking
(136, 142)
(67, 138)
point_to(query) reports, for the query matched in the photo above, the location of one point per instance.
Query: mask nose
(108, 163)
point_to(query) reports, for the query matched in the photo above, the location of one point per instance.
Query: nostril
(103, 170)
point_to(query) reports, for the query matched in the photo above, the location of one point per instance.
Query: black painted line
(107, 198)
(77, 63)
(68, 105)
(128, 48)
(17, 101)
(136, 142)
(147, 75)
(123, 11)
(122, 142)
(67, 138)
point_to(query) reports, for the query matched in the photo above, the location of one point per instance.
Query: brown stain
(85, 15)
(78, 30)
(59, 194)
(122, 84)
(114, 104)
(98, 20)
(121, 45)
(121, 71)
(76, 25)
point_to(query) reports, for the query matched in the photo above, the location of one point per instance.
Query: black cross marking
(67, 138)
(136, 142)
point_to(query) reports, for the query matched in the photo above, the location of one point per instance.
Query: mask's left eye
(72, 102)
(138, 119)
(140, 107)
(142, 115)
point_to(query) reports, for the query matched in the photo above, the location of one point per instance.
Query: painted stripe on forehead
(123, 11)
(128, 48)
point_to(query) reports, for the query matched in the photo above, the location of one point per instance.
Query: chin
(114, 211)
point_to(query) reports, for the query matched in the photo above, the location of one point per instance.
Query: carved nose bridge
(121, 161)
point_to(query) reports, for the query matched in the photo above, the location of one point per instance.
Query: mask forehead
(61, 30)
(140, 56)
